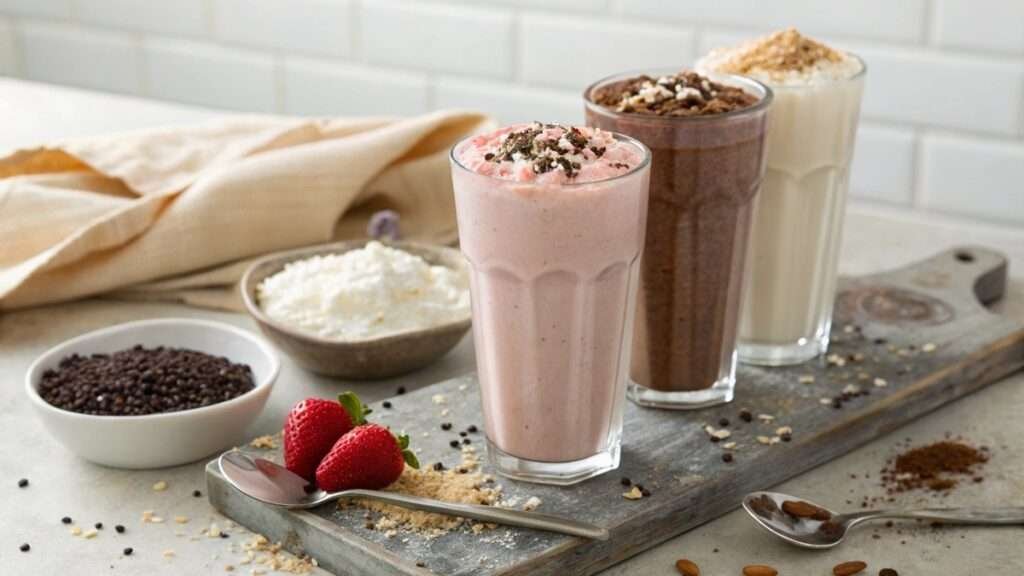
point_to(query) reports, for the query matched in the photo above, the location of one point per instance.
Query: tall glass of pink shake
(552, 220)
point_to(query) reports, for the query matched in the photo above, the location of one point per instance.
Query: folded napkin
(178, 213)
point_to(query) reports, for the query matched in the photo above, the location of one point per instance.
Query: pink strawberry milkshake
(552, 219)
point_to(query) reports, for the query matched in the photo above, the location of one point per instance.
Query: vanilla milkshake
(552, 221)
(794, 243)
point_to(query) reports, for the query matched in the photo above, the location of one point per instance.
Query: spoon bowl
(274, 484)
(808, 525)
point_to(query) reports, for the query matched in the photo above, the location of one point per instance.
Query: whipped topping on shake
(550, 154)
(785, 58)
(791, 268)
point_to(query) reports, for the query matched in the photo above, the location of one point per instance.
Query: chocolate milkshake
(706, 135)
(551, 219)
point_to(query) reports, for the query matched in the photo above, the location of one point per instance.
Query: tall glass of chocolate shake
(707, 139)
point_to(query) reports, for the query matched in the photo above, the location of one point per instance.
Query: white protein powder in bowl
(366, 293)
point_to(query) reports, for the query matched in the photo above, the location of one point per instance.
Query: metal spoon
(273, 484)
(766, 509)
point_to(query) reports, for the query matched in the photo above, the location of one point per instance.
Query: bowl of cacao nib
(153, 393)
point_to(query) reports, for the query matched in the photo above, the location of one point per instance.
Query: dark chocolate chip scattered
(446, 426)
(463, 434)
(128, 551)
(727, 457)
(23, 483)
(400, 391)
(888, 572)
(65, 520)
(25, 547)
(472, 429)
(421, 564)
(386, 404)
(723, 422)
(438, 466)
(714, 439)
(644, 491)
(466, 441)
(626, 481)
(454, 443)
(197, 494)
(99, 525)
(746, 416)
(786, 436)
(225, 535)
(119, 529)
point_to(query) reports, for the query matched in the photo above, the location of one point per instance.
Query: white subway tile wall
(943, 128)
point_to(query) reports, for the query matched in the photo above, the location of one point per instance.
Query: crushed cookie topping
(686, 93)
(549, 147)
(779, 52)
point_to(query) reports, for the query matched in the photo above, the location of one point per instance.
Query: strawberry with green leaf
(369, 456)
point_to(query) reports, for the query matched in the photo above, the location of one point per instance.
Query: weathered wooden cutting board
(922, 329)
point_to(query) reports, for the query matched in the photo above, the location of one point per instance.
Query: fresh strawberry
(369, 456)
(314, 425)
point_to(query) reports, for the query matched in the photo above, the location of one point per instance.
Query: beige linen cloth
(178, 213)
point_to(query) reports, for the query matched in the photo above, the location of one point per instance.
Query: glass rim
(766, 97)
(645, 162)
(830, 82)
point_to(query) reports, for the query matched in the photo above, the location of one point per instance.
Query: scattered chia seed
(386, 404)
(438, 466)
(119, 529)
(400, 391)
(23, 483)
(472, 429)
(128, 551)
(25, 547)
(463, 434)
(746, 416)
(454, 443)
(626, 481)
(466, 441)
(65, 520)
(99, 525)
(446, 426)
(723, 422)
(197, 494)
(727, 457)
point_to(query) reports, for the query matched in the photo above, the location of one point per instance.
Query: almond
(687, 567)
(759, 570)
(801, 509)
(849, 568)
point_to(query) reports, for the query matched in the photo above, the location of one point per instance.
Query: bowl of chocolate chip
(153, 393)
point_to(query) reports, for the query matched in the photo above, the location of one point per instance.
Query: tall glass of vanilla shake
(552, 220)
(792, 260)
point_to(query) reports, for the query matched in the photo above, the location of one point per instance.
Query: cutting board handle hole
(964, 256)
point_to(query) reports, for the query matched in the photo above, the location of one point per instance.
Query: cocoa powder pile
(938, 467)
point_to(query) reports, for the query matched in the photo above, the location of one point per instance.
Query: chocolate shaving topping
(546, 153)
(683, 94)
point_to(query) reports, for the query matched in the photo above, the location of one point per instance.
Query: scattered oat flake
(266, 442)
(765, 417)
(836, 360)
(532, 504)
(851, 389)
(168, 553)
(806, 379)
(76, 531)
(633, 494)
(160, 486)
(766, 440)
(90, 533)
(438, 399)
(729, 445)
(782, 431)
(720, 434)
(181, 519)
(880, 383)
(825, 401)
(929, 347)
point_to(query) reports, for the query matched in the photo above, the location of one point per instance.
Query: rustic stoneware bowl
(171, 438)
(370, 359)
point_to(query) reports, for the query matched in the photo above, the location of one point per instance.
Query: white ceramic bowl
(167, 439)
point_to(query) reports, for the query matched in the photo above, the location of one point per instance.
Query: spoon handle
(506, 516)
(988, 516)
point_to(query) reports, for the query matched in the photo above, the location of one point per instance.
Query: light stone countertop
(62, 484)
